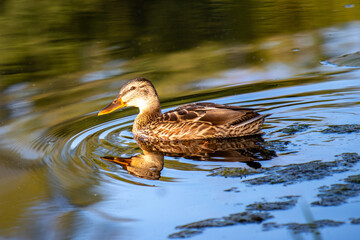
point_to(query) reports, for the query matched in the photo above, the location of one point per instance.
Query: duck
(200, 120)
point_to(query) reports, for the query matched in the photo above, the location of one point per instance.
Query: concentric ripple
(78, 145)
(75, 152)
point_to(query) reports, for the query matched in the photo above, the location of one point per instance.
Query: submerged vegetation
(303, 227)
(337, 194)
(271, 206)
(293, 173)
(341, 129)
(233, 219)
(334, 195)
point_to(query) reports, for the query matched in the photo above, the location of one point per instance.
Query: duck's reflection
(148, 165)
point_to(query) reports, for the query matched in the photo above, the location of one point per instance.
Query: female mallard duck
(190, 121)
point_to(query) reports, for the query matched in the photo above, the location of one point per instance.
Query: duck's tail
(249, 127)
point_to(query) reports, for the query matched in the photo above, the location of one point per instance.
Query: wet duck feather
(201, 120)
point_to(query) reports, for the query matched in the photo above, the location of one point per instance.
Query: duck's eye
(132, 88)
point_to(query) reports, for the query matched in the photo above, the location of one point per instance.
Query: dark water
(62, 61)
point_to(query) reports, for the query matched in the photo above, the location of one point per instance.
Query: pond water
(68, 174)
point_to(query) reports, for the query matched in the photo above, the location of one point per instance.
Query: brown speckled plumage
(190, 121)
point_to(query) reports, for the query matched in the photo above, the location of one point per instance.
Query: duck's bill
(116, 104)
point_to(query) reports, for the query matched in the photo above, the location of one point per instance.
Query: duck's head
(138, 92)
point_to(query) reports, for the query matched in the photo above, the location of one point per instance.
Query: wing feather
(215, 114)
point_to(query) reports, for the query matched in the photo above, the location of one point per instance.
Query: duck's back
(203, 121)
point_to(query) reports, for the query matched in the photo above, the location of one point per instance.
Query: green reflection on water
(49, 38)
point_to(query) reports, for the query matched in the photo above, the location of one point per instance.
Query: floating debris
(271, 206)
(213, 222)
(341, 129)
(353, 179)
(302, 227)
(308, 227)
(236, 172)
(350, 158)
(293, 173)
(295, 128)
(233, 189)
(355, 220)
(232, 219)
(337, 194)
(248, 217)
(276, 145)
(185, 234)
(271, 226)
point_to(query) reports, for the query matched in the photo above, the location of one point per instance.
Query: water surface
(60, 63)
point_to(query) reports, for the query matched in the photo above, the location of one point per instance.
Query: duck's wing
(216, 114)
(209, 105)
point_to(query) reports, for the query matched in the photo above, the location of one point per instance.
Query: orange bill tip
(114, 105)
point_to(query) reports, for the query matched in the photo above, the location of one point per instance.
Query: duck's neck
(146, 116)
